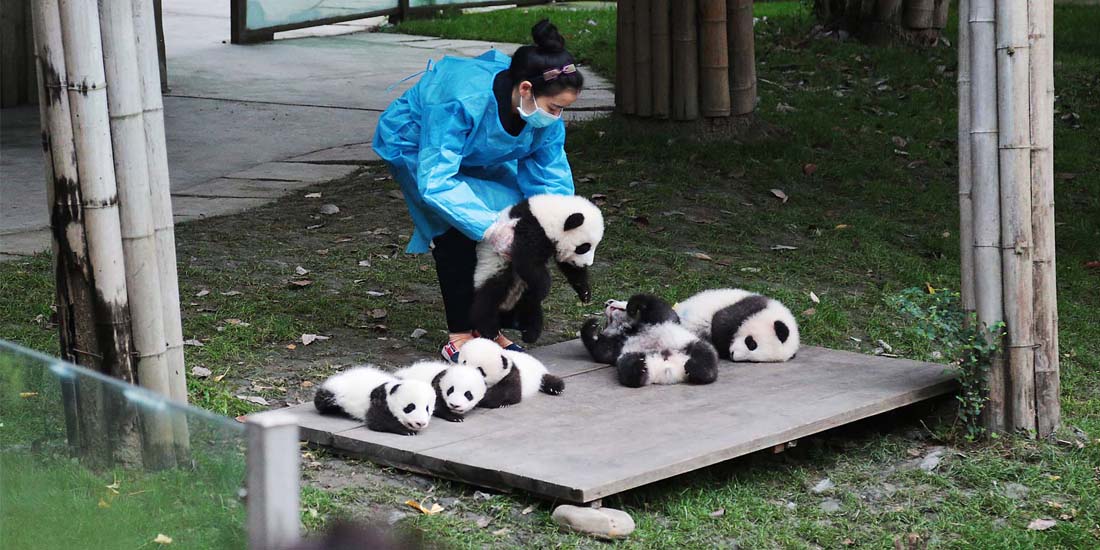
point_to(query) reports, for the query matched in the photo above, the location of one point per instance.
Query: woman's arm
(444, 130)
(546, 169)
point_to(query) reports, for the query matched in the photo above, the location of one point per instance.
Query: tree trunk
(643, 71)
(714, 93)
(742, 57)
(661, 54)
(685, 62)
(885, 21)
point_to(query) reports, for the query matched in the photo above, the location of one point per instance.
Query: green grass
(867, 224)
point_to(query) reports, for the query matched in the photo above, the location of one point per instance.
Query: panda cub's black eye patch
(750, 343)
(584, 248)
(482, 371)
(409, 408)
(469, 396)
(450, 390)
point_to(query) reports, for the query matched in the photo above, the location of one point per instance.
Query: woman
(473, 137)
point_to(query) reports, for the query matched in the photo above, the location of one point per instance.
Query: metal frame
(240, 33)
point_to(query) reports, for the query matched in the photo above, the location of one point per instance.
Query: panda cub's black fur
(648, 345)
(560, 227)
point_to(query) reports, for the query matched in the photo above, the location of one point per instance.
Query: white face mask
(537, 118)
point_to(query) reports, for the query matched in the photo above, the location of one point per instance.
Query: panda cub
(648, 345)
(566, 228)
(742, 325)
(458, 388)
(384, 402)
(512, 376)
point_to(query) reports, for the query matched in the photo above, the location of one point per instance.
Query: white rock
(606, 523)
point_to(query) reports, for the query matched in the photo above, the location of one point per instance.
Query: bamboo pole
(742, 57)
(163, 223)
(1047, 385)
(661, 55)
(643, 59)
(918, 14)
(685, 62)
(966, 214)
(714, 84)
(940, 15)
(1014, 144)
(76, 324)
(985, 195)
(626, 86)
(135, 213)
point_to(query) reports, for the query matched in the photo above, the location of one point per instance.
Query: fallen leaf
(814, 298)
(1041, 524)
(780, 195)
(809, 169)
(701, 256)
(308, 339)
(376, 293)
(809, 312)
(528, 510)
(378, 313)
(300, 283)
(219, 377)
(343, 240)
(718, 513)
(483, 522)
(435, 509)
(425, 267)
(330, 209)
(202, 293)
(784, 108)
(301, 270)
(899, 142)
(901, 153)
(306, 384)
(193, 342)
(500, 532)
(252, 399)
(103, 504)
(291, 347)
(237, 322)
(163, 539)
(928, 287)
(1054, 477)
(232, 293)
(641, 220)
(315, 226)
(783, 247)
(1095, 264)
(395, 194)
(842, 226)
(364, 263)
(313, 195)
(201, 372)
(751, 269)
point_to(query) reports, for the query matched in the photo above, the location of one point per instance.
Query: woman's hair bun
(547, 38)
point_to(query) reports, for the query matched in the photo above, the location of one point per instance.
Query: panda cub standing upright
(512, 376)
(384, 402)
(566, 228)
(647, 345)
(742, 325)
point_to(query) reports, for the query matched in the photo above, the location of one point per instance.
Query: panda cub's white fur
(663, 346)
(378, 398)
(458, 388)
(510, 375)
(742, 325)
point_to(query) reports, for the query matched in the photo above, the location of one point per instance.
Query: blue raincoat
(456, 164)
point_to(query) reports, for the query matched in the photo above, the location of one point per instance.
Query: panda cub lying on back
(566, 228)
(647, 345)
(458, 388)
(742, 325)
(384, 402)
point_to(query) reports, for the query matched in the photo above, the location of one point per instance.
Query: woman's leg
(455, 260)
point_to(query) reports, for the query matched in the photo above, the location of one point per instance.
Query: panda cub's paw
(632, 370)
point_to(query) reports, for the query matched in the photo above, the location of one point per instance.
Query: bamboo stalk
(661, 53)
(1047, 385)
(643, 59)
(685, 62)
(985, 195)
(76, 324)
(714, 85)
(940, 15)
(966, 214)
(742, 57)
(135, 214)
(626, 86)
(918, 14)
(163, 223)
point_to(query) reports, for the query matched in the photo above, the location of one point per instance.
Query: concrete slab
(25, 243)
(600, 438)
(358, 153)
(185, 209)
(294, 171)
(243, 188)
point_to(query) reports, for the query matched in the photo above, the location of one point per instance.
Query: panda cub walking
(384, 402)
(512, 376)
(742, 325)
(458, 388)
(647, 345)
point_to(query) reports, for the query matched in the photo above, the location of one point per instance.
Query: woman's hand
(500, 235)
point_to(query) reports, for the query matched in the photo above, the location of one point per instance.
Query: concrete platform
(600, 438)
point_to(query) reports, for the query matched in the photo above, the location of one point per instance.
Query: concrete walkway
(248, 124)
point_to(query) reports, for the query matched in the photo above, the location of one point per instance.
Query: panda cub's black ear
(394, 388)
(574, 221)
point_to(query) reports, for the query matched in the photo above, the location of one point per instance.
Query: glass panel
(87, 461)
(423, 3)
(271, 13)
